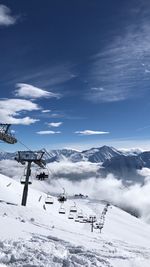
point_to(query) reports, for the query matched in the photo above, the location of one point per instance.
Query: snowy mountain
(33, 236)
(123, 164)
(101, 154)
(93, 155)
(127, 166)
(7, 155)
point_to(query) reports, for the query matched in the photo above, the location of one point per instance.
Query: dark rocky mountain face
(124, 167)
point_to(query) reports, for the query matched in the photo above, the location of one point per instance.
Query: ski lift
(76, 219)
(62, 197)
(73, 208)
(98, 225)
(81, 221)
(62, 210)
(49, 200)
(31, 156)
(23, 178)
(92, 218)
(70, 216)
(42, 175)
(85, 218)
(80, 214)
(6, 135)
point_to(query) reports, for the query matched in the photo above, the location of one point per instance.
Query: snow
(33, 236)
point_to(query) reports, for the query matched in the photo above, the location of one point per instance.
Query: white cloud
(48, 132)
(30, 91)
(46, 110)
(55, 124)
(98, 89)
(73, 171)
(6, 18)
(90, 132)
(10, 109)
(122, 67)
(81, 178)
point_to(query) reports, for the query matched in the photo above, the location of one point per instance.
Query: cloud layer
(83, 177)
(6, 19)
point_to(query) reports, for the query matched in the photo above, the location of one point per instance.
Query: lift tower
(29, 157)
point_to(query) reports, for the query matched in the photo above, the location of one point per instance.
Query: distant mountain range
(111, 160)
(94, 155)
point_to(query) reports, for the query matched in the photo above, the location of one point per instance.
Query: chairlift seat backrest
(70, 216)
(49, 200)
(80, 214)
(23, 180)
(73, 209)
(62, 211)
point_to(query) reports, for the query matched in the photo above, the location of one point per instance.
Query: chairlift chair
(70, 216)
(62, 197)
(85, 218)
(6, 134)
(73, 208)
(62, 210)
(42, 174)
(23, 180)
(80, 214)
(49, 200)
(77, 219)
(81, 221)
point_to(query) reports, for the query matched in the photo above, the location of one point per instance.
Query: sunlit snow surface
(33, 236)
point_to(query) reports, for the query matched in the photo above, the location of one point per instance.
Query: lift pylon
(29, 157)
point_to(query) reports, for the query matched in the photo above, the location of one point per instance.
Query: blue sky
(75, 73)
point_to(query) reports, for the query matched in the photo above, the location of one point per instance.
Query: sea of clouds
(84, 177)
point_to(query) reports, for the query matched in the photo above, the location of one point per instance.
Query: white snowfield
(33, 236)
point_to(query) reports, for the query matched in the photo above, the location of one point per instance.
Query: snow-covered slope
(33, 236)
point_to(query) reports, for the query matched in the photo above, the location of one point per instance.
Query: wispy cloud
(121, 69)
(30, 91)
(90, 132)
(47, 76)
(143, 128)
(48, 132)
(54, 124)
(46, 110)
(10, 111)
(6, 19)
